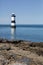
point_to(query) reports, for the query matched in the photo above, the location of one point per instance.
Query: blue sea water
(22, 32)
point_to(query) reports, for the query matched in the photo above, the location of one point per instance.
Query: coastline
(11, 50)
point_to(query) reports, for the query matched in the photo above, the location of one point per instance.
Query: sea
(32, 33)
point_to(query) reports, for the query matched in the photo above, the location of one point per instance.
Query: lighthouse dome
(13, 15)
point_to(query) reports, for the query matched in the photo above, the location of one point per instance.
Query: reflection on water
(13, 33)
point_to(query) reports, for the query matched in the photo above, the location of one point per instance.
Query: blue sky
(26, 11)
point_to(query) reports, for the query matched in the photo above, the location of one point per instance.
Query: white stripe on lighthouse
(12, 24)
(12, 18)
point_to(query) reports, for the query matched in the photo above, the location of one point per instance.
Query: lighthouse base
(13, 26)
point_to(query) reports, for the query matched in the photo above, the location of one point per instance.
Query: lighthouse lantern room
(13, 23)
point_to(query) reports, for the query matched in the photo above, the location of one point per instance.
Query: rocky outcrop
(21, 52)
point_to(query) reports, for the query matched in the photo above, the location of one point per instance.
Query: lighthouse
(13, 23)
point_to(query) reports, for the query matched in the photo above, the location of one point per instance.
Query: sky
(26, 11)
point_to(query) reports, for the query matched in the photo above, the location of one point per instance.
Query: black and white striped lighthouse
(13, 23)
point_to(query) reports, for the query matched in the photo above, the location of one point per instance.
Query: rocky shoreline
(20, 52)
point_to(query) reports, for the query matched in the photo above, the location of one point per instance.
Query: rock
(4, 47)
(17, 63)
